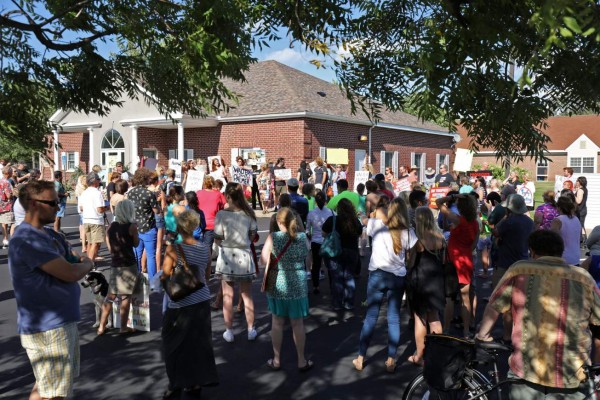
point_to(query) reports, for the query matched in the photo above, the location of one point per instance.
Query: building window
(150, 153)
(188, 154)
(389, 159)
(113, 140)
(418, 159)
(542, 170)
(70, 160)
(582, 165)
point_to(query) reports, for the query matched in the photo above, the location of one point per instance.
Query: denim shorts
(160, 221)
(61, 210)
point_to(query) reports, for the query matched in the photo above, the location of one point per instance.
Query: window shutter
(382, 161)
(63, 161)
(395, 163)
(189, 154)
(422, 167)
(323, 152)
(172, 154)
(76, 159)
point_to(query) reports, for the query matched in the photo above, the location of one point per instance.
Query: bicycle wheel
(474, 383)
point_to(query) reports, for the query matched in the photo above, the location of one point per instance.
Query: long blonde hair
(397, 222)
(425, 225)
(287, 218)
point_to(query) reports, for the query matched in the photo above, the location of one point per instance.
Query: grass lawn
(540, 188)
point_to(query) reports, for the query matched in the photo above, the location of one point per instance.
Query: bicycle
(475, 385)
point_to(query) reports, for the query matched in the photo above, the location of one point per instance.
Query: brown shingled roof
(562, 130)
(275, 88)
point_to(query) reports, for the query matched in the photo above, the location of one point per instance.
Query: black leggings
(316, 263)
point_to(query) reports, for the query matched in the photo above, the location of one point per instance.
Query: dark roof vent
(322, 94)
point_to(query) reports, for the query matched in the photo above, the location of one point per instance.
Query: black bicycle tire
(472, 379)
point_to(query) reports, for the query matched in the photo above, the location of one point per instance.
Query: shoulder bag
(182, 281)
(332, 244)
(272, 269)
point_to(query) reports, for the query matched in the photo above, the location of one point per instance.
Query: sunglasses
(51, 203)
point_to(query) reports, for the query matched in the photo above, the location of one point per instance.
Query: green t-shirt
(312, 202)
(352, 196)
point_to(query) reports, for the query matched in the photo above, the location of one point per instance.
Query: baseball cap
(92, 178)
(293, 182)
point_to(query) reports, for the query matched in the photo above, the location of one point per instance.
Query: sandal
(415, 360)
(309, 364)
(127, 331)
(358, 364)
(390, 365)
(271, 364)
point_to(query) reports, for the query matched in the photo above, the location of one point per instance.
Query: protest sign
(241, 175)
(485, 174)
(463, 160)
(284, 174)
(436, 193)
(175, 165)
(195, 180)
(402, 185)
(360, 177)
(527, 195)
(139, 312)
(337, 156)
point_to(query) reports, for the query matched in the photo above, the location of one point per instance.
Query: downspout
(369, 153)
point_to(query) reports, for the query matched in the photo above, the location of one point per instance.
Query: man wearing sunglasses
(44, 273)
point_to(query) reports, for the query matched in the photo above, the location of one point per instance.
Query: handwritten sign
(139, 312)
(283, 173)
(527, 195)
(195, 180)
(436, 193)
(463, 160)
(360, 177)
(402, 185)
(241, 175)
(175, 165)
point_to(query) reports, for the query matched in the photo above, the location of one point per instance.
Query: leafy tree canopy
(454, 59)
(172, 53)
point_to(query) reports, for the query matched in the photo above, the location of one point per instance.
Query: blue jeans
(382, 283)
(342, 279)
(148, 242)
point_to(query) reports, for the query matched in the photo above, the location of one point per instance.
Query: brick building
(575, 142)
(282, 112)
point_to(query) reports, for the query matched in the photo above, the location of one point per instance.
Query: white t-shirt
(314, 222)
(382, 248)
(89, 201)
(19, 212)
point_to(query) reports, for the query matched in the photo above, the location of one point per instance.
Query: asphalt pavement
(131, 367)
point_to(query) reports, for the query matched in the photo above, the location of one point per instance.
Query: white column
(134, 149)
(55, 146)
(180, 141)
(92, 160)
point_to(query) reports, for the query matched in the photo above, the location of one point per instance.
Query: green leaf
(572, 24)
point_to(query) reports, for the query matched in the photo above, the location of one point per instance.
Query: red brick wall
(68, 141)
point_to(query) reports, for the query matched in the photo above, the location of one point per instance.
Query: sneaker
(5, 243)
(228, 336)
(252, 334)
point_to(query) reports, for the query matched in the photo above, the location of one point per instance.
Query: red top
(460, 248)
(210, 202)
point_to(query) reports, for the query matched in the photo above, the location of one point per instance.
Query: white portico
(114, 137)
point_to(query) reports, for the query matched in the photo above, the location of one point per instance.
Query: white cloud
(286, 56)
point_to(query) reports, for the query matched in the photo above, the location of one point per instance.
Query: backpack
(332, 245)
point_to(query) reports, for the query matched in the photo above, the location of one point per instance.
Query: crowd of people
(422, 253)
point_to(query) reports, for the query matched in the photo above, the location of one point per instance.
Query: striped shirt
(552, 305)
(196, 256)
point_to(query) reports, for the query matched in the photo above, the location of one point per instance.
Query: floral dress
(289, 296)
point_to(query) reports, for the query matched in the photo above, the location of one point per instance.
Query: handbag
(272, 268)
(182, 280)
(332, 244)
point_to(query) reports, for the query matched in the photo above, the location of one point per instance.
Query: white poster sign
(463, 160)
(175, 165)
(241, 175)
(284, 174)
(527, 195)
(360, 177)
(139, 312)
(195, 180)
(402, 185)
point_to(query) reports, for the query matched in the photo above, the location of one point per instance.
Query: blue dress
(289, 296)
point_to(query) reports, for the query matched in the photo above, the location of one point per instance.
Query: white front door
(111, 157)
